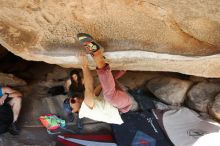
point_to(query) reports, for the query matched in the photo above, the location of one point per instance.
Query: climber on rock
(115, 98)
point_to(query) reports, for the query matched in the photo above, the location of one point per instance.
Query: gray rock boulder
(58, 73)
(168, 89)
(11, 80)
(214, 108)
(202, 94)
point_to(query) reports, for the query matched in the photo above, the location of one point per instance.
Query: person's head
(76, 81)
(73, 103)
(74, 75)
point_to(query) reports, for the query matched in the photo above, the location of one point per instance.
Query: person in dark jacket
(14, 99)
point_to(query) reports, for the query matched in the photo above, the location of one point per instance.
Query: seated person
(74, 80)
(115, 99)
(13, 98)
(74, 85)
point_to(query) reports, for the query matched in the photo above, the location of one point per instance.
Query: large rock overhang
(152, 35)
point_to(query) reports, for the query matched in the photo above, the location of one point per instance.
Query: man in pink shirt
(113, 93)
(115, 97)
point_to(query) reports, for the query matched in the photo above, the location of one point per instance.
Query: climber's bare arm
(88, 82)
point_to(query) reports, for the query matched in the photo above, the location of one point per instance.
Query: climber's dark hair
(76, 88)
(73, 92)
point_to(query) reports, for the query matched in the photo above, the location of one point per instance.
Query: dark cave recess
(27, 70)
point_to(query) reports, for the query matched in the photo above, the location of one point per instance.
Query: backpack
(6, 117)
(52, 122)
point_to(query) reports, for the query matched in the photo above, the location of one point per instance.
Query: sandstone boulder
(168, 89)
(150, 35)
(214, 108)
(11, 80)
(202, 94)
(58, 73)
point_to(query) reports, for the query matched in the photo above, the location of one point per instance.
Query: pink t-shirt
(117, 97)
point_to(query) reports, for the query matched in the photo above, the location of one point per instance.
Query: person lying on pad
(115, 98)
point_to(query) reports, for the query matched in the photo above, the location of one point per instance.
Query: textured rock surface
(202, 94)
(11, 80)
(170, 90)
(58, 73)
(214, 109)
(44, 31)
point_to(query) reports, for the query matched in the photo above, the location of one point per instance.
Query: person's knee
(17, 100)
(17, 95)
(6, 90)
